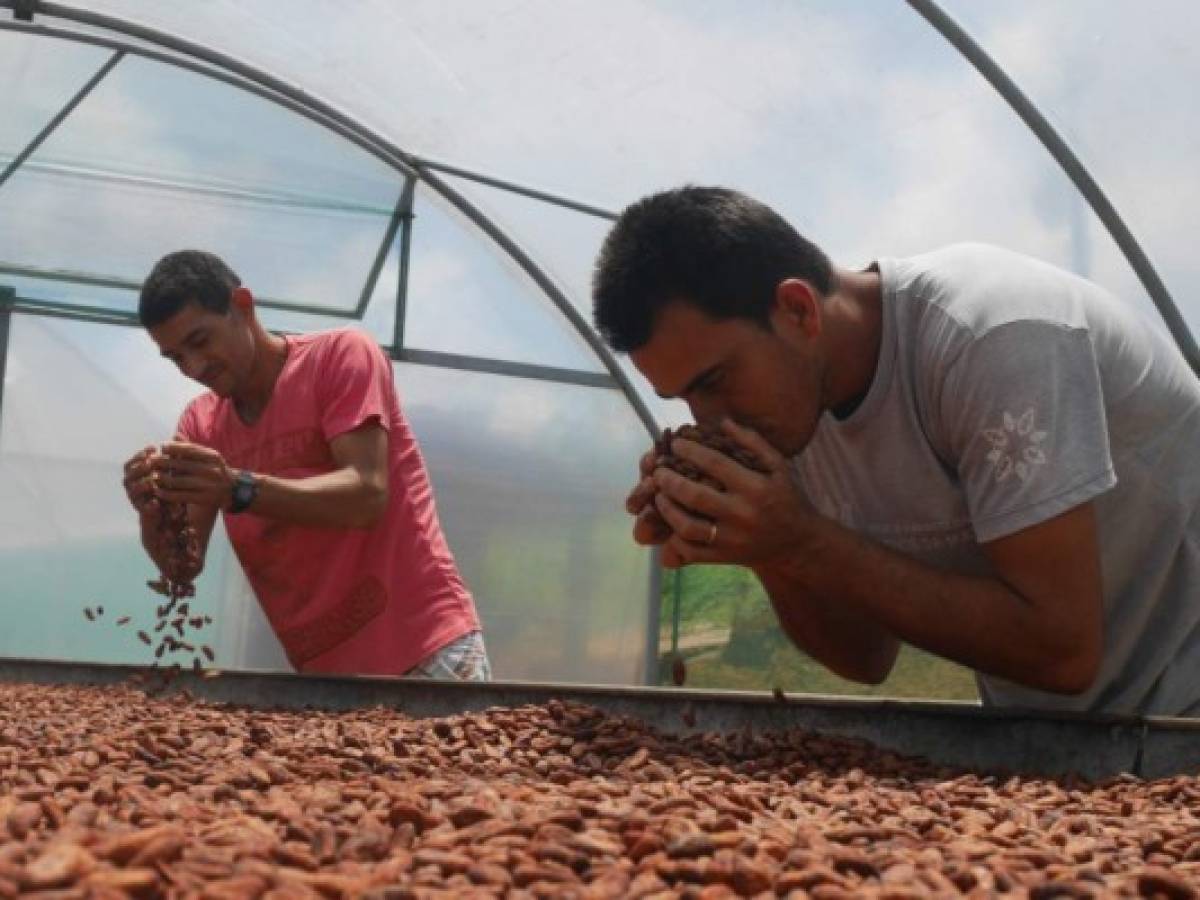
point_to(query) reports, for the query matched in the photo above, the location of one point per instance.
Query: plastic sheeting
(857, 120)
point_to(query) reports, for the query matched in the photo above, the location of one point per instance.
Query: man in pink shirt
(301, 445)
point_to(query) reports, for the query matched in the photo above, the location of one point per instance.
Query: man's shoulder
(341, 340)
(335, 347)
(961, 271)
(345, 334)
(981, 287)
(967, 252)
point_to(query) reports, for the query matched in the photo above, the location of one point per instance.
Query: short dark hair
(186, 276)
(714, 248)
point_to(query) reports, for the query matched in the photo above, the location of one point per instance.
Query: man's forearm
(339, 499)
(977, 621)
(843, 639)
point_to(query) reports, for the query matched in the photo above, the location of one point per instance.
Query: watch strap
(245, 489)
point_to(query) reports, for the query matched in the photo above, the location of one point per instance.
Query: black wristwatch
(245, 489)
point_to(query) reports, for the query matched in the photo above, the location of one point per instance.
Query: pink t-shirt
(347, 600)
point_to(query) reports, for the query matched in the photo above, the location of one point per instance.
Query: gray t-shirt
(1007, 392)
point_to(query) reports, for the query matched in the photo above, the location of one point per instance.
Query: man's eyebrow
(691, 385)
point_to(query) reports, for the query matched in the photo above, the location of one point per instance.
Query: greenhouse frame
(445, 185)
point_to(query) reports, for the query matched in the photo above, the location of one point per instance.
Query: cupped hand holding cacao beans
(650, 528)
(190, 473)
(138, 480)
(171, 541)
(716, 495)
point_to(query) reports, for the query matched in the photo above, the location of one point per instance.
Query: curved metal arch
(1074, 168)
(276, 90)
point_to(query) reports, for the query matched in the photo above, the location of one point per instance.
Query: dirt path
(701, 637)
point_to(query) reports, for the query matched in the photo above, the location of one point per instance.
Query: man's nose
(192, 366)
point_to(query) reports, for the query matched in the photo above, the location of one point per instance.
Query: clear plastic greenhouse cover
(858, 121)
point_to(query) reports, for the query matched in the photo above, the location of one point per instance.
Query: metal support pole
(62, 114)
(127, 284)
(523, 190)
(653, 616)
(504, 367)
(389, 238)
(7, 297)
(406, 203)
(676, 608)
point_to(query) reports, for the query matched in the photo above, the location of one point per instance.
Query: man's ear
(796, 308)
(242, 300)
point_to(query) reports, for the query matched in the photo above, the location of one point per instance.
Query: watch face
(243, 491)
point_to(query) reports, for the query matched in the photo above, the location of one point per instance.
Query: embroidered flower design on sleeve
(1016, 446)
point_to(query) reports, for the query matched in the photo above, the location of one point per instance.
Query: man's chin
(791, 446)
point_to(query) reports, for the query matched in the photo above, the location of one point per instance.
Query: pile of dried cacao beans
(107, 792)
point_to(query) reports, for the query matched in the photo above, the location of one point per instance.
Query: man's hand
(190, 473)
(757, 518)
(139, 481)
(649, 528)
(145, 473)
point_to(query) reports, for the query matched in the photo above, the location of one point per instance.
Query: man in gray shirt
(970, 451)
